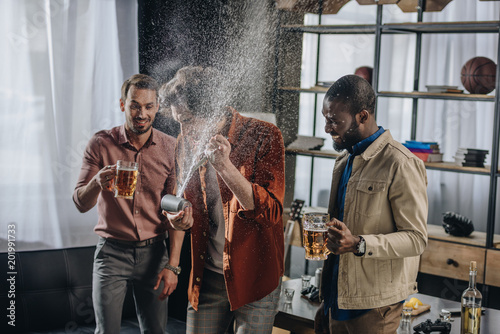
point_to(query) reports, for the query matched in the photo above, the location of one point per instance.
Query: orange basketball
(478, 75)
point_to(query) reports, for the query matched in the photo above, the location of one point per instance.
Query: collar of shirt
(363, 145)
(122, 138)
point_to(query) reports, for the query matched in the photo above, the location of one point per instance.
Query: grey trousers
(214, 315)
(116, 266)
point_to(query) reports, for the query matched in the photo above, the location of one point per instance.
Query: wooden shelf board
(444, 27)
(440, 96)
(331, 29)
(407, 27)
(450, 166)
(313, 153)
(422, 95)
(476, 238)
(315, 89)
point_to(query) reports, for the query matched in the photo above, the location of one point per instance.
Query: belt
(138, 244)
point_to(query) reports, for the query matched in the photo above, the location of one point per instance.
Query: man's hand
(182, 220)
(169, 283)
(218, 149)
(340, 240)
(321, 324)
(105, 177)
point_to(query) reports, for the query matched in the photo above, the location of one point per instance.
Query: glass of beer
(315, 235)
(126, 179)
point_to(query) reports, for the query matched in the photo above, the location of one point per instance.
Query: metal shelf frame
(418, 28)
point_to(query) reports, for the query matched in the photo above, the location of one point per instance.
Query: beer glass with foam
(126, 179)
(315, 234)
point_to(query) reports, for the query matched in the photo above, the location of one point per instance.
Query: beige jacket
(386, 203)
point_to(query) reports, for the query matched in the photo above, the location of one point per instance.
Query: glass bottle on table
(471, 304)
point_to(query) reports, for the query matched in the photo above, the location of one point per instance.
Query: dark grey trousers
(115, 266)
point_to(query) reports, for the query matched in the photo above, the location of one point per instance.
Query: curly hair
(355, 92)
(193, 87)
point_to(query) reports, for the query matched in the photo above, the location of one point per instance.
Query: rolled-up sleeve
(268, 182)
(91, 164)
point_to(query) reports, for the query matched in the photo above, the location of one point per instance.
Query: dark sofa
(50, 291)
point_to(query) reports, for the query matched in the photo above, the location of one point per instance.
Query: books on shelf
(470, 157)
(427, 151)
(307, 143)
(326, 84)
(443, 89)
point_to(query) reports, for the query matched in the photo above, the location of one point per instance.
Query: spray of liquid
(190, 173)
(241, 54)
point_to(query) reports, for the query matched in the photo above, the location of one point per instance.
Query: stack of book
(470, 157)
(427, 151)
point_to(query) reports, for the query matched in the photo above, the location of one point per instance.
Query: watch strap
(175, 270)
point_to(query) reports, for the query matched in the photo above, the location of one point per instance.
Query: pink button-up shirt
(139, 218)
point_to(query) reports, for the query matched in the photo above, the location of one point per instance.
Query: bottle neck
(472, 279)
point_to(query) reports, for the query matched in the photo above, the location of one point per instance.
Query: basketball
(478, 75)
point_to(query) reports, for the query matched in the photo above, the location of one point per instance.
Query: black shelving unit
(418, 29)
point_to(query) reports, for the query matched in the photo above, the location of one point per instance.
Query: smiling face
(341, 125)
(140, 107)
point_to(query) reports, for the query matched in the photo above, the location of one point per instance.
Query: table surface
(298, 317)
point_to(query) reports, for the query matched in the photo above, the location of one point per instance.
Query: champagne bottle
(471, 305)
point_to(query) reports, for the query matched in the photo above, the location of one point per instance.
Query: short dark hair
(355, 92)
(194, 87)
(140, 81)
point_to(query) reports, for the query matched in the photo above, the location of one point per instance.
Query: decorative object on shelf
(427, 151)
(307, 143)
(478, 75)
(457, 225)
(326, 84)
(365, 72)
(311, 6)
(409, 6)
(377, 2)
(443, 89)
(470, 157)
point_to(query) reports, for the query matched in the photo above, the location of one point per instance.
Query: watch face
(361, 246)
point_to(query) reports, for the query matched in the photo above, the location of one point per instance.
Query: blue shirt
(331, 297)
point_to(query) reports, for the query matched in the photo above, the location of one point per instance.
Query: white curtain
(62, 64)
(452, 124)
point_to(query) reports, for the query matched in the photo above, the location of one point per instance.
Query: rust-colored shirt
(254, 244)
(139, 218)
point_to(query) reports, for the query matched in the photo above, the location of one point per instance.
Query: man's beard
(349, 139)
(140, 131)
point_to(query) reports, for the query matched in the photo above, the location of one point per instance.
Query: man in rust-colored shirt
(132, 232)
(237, 204)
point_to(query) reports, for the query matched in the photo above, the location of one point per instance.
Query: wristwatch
(360, 247)
(175, 270)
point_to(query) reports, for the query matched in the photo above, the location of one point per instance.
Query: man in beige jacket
(378, 209)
